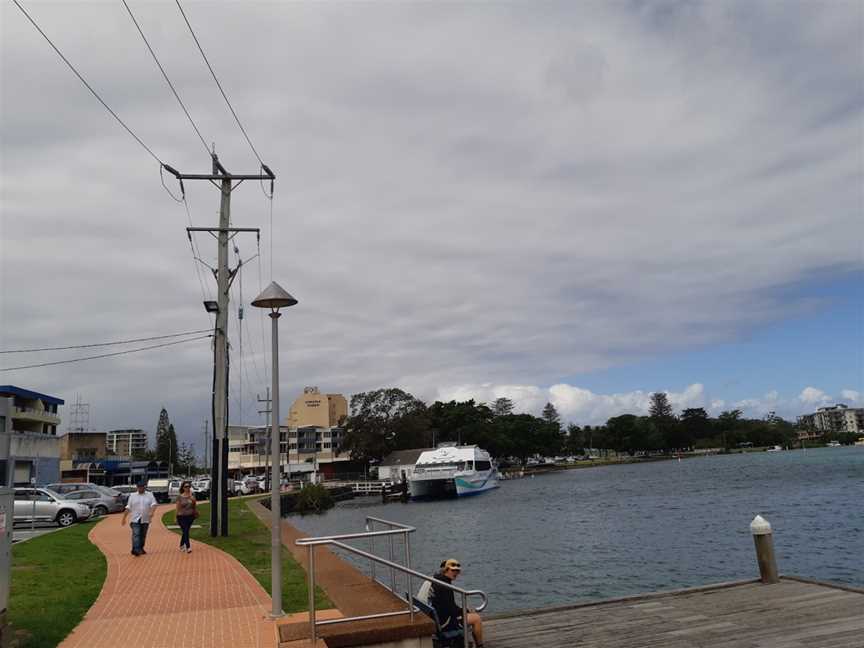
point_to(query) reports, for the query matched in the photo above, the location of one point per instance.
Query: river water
(585, 534)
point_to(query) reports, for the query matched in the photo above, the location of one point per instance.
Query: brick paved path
(169, 599)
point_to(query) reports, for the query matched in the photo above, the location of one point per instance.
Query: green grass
(55, 579)
(249, 542)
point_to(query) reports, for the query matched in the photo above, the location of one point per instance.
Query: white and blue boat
(453, 471)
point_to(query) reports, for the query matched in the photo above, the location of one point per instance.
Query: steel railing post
(465, 627)
(371, 548)
(312, 629)
(407, 542)
(392, 571)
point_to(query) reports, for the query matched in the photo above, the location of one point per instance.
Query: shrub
(313, 498)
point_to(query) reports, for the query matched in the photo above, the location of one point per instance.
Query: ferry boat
(452, 471)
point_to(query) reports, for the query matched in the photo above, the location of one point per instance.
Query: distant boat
(453, 471)
(774, 449)
(833, 444)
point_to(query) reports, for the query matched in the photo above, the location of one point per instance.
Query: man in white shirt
(141, 506)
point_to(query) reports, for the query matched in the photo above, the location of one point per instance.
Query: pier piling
(762, 538)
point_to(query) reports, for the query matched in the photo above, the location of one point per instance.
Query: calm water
(617, 530)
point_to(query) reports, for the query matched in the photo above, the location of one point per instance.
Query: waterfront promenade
(168, 598)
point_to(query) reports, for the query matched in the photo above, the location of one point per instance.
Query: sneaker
(143, 552)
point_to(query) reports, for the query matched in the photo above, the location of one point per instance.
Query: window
(23, 495)
(482, 465)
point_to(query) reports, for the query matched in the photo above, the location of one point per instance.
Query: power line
(167, 80)
(100, 344)
(106, 355)
(219, 85)
(87, 85)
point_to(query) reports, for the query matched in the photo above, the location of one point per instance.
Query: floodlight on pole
(275, 297)
(211, 306)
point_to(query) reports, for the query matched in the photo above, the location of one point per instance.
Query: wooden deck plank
(791, 614)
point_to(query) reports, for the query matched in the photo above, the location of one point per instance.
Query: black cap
(141, 483)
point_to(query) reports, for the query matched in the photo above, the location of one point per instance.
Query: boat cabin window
(482, 465)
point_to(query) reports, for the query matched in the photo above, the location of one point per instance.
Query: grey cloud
(465, 194)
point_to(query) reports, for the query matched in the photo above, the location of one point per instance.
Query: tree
(551, 416)
(664, 421)
(381, 421)
(464, 422)
(695, 424)
(575, 441)
(186, 458)
(660, 407)
(166, 439)
(728, 422)
(623, 433)
(502, 407)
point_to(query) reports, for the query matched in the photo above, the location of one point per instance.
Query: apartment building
(28, 423)
(834, 418)
(126, 443)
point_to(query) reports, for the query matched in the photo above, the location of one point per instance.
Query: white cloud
(850, 395)
(572, 402)
(814, 396)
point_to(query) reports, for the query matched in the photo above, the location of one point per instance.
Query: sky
(580, 203)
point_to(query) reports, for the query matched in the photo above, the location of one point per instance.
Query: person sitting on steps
(444, 601)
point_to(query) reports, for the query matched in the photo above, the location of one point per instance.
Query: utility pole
(206, 444)
(224, 277)
(269, 429)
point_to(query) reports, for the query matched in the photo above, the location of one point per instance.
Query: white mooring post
(761, 530)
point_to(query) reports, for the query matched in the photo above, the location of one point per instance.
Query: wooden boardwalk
(793, 613)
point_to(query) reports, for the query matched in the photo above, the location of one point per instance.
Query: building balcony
(32, 414)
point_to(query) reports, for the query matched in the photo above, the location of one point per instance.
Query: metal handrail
(405, 530)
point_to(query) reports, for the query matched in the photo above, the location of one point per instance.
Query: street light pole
(274, 297)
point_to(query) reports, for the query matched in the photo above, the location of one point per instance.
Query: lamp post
(275, 297)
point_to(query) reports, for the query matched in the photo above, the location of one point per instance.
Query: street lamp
(275, 297)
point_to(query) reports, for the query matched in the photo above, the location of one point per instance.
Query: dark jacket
(444, 602)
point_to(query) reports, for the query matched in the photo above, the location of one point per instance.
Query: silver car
(99, 503)
(43, 505)
(112, 501)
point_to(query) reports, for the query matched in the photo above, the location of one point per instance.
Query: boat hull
(458, 486)
(476, 484)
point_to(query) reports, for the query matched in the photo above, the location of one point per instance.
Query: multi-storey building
(126, 443)
(28, 421)
(314, 409)
(309, 449)
(835, 418)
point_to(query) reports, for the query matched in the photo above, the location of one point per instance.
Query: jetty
(792, 613)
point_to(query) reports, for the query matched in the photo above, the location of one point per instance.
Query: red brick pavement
(169, 599)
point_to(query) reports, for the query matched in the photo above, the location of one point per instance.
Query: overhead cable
(219, 85)
(87, 85)
(165, 75)
(106, 355)
(101, 344)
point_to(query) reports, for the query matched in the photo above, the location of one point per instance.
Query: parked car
(113, 501)
(99, 502)
(165, 490)
(125, 490)
(201, 488)
(43, 505)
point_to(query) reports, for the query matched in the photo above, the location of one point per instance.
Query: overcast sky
(575, 202)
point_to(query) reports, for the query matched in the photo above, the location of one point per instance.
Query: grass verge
(249, 543)
(55, 579)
